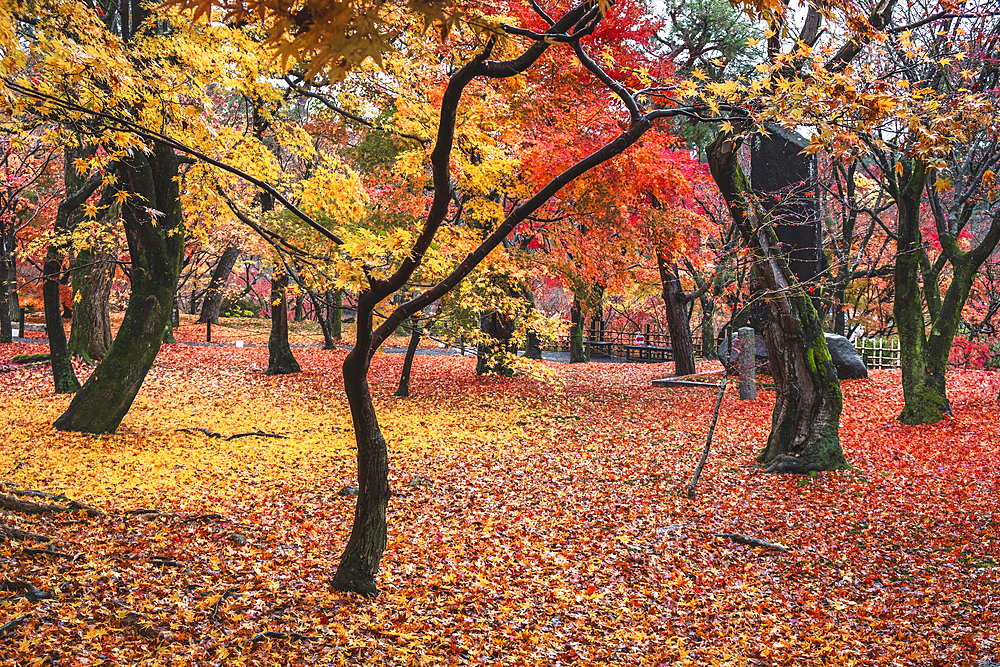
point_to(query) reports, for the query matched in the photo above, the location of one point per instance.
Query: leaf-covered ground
(530, 523)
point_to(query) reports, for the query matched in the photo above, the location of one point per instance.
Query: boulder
(849, 364)
(847, 361)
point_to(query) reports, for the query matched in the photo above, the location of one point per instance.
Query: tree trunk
(923, 357)
(156, 246)
(324, 323)
(360, 560)
(8, 287)
(300, 312)
(336, 315)
(90, 334)
(708, 344)
(577, 351)
(494, 352)
(411, 350)
(76, 194)
(808, 402)
(678, 323)
(212, 303)
(63, 375)
(281, 361)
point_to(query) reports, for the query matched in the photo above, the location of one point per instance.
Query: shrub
(237, 306)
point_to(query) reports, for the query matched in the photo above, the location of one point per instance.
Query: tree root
(792, 465)
(753, 541)
(203, 517)
(23, 535)
(53, 554)
(25, 591)
(11, 625)
(14, 504)
(144, 627)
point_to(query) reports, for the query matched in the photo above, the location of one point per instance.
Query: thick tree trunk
(281, 361)
(212, 304)
(806, 418)
(924, 350)
(678, 323)
(411, 350)
(156, 246)
(925, 400)
(708, 344)
(300, 311)
(360, 560)
(494, 352)
(577, 351)
(90, 334)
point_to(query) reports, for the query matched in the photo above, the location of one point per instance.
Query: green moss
(31, 358)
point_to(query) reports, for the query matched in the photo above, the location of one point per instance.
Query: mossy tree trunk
(211, 306)
(90, 333)
(924, 350)
(577, 351)
(93, 273)
(336, 315)
(156, 246)
(497, 346)
(806, 417)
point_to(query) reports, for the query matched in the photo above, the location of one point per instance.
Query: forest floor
(533, 521)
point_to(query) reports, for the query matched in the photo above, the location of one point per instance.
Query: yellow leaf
(942, 183)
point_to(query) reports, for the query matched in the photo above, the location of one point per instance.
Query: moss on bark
(156, 247)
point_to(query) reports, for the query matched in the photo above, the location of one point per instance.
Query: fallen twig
(262, 434)
(291, 636)
(215, 607)
(753, 541)
(708, 439)
(213, 434)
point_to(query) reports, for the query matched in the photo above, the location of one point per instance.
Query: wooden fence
(878, 352)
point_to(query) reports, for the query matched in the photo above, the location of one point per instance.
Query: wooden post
(747, 363)
(208, 331)
(20, 324)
